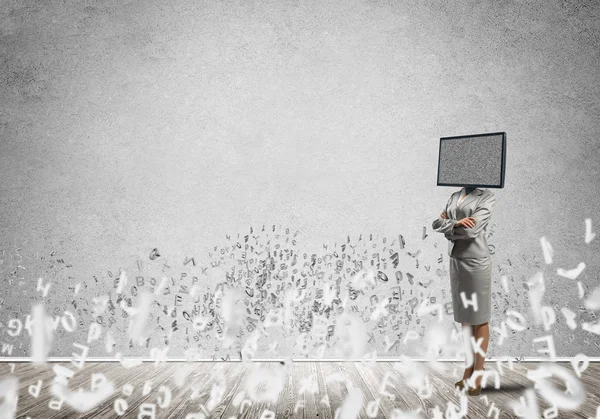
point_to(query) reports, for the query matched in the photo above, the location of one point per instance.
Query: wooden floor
(329, 394)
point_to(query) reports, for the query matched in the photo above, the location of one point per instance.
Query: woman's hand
(468, 222)
(444, 216)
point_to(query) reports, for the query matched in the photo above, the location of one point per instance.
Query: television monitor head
(477, 160)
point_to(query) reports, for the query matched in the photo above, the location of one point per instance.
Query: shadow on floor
(506, 388)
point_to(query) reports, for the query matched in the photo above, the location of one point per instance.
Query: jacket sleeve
(482, 216)
(444, 226)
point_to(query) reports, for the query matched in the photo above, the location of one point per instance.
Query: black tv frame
(502, 164)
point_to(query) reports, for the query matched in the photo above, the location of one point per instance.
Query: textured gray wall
(128, 126)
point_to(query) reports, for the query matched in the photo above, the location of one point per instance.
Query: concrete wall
(128, 126)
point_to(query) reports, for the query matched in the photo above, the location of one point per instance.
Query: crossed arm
(481, 215)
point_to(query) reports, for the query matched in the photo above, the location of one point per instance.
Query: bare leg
(481, 331)
(469, 370)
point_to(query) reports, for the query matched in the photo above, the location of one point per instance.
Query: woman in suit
(464, 222)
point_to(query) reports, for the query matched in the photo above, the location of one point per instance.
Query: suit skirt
(471, 275)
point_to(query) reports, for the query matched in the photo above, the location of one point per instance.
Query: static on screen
(472, 160)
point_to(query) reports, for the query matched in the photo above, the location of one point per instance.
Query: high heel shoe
(462, 383)
(475, 391)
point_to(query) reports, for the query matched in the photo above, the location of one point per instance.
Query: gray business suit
(470, 259)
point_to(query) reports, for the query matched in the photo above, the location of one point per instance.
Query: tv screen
(472, 160)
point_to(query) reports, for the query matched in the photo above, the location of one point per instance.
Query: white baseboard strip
(101, 359)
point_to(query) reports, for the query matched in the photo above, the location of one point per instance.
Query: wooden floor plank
(513, 385)
(349, 382)
(336, 391)
(232, 409)
(197, 391)
(443, 382)
(305, 371)
(323, 409)
(190, 372)
(119, 376)
(404, 391)
(286, 402)
(199, 378)
(517, 379)
(258, 407)
(155, 376)
(383, 404)
(40, 407)
(354, 378)
(443, 390)
(234, 377)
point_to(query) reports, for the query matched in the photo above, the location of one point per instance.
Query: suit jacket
(467, 242)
